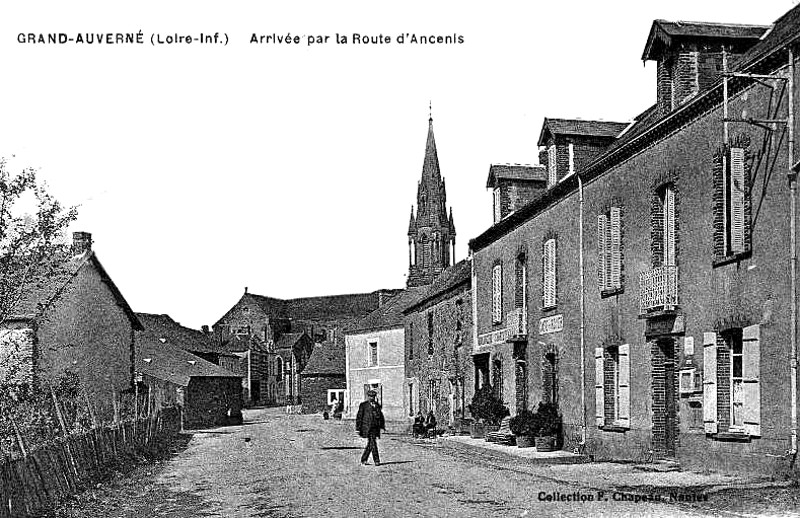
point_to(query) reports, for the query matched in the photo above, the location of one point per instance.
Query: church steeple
(431, 233)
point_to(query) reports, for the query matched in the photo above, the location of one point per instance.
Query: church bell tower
(431, 232)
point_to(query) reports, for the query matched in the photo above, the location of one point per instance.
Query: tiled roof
(663, 32)
(515, 172)
(163, 327)
(390, 315)
(785, 30)
(41, 295)
(458, 274)
(326, 358)
(169, 362)
(581, 127)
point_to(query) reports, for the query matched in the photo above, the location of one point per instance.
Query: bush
(525, 424)
(549, 420)
(487, 407)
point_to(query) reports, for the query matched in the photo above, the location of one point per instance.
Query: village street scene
(620, 339)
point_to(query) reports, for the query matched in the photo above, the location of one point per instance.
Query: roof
(390, 315)
(586, 128)
(167, 330)
(169, 362)
(326, 358)
(40, 296)
(517, 172)
(457, 275)
(663, 33)
(315, 308)
(649, 126)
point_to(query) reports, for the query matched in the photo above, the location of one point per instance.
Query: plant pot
(546, 443)
(523, 441)
(477, 430)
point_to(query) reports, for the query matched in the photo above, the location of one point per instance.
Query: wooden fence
(44, 476)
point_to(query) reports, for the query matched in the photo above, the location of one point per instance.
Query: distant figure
(430, 424)
(334, 405)
(369, 423)
(418, 430)
(339, 410)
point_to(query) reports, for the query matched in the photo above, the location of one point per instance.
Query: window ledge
(611, 292)
(731, 436)
(614, 428)
(549, 308)
(732, 258)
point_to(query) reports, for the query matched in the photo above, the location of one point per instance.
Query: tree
(32, 228)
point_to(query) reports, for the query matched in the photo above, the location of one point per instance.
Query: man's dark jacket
(369, 420)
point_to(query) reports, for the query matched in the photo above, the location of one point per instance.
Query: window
(497, 294)
(609, 250)
(279, 368)
(497, 212)
(731, 386)
(335, 394)
(612, 386)
(549, 274)
(373, 354)
(552, 174)
(521, 284)
(571, 158)
(242, 330)
(430, 333)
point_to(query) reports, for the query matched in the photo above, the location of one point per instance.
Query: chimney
(205, 330)
(245, 290)
(81, 242)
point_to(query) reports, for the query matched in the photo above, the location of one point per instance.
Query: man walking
(369, 423)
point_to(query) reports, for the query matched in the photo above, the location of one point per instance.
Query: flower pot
(477, 430)
(523, 441)
(546, 443)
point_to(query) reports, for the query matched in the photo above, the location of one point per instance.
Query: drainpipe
(583, 309)
(793, 253)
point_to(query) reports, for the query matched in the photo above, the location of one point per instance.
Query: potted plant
(487, 410)
(525, 426)
(549, 422)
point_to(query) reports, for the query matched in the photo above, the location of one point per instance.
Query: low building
(207, 394)
(438, 347)
(75, 321)
(323, 378)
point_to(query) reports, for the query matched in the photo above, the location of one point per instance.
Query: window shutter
(616, 248)
(571, 158)
(669, 227)
(751, 363)
(496, 204)
(599, 400)
(710, 382)
(552, 176)
(549, 283)
(624, 416)
(496, 294)
(737, 200)
(601, 252)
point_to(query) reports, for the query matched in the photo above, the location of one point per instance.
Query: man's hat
(372, 393)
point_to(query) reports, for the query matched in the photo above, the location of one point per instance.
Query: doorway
(665, 404)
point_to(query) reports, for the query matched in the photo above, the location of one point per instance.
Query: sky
(289, 168)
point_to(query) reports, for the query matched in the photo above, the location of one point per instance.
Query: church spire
(431, 233)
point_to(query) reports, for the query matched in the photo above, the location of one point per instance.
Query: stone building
(75, 321)
(661, 310)
(323, 377)
(207, 394)
(438, 344)
(254, 326)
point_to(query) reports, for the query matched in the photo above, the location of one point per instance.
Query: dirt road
(302, 466)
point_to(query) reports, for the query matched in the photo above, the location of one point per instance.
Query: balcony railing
(658, 289)
(517, 322)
